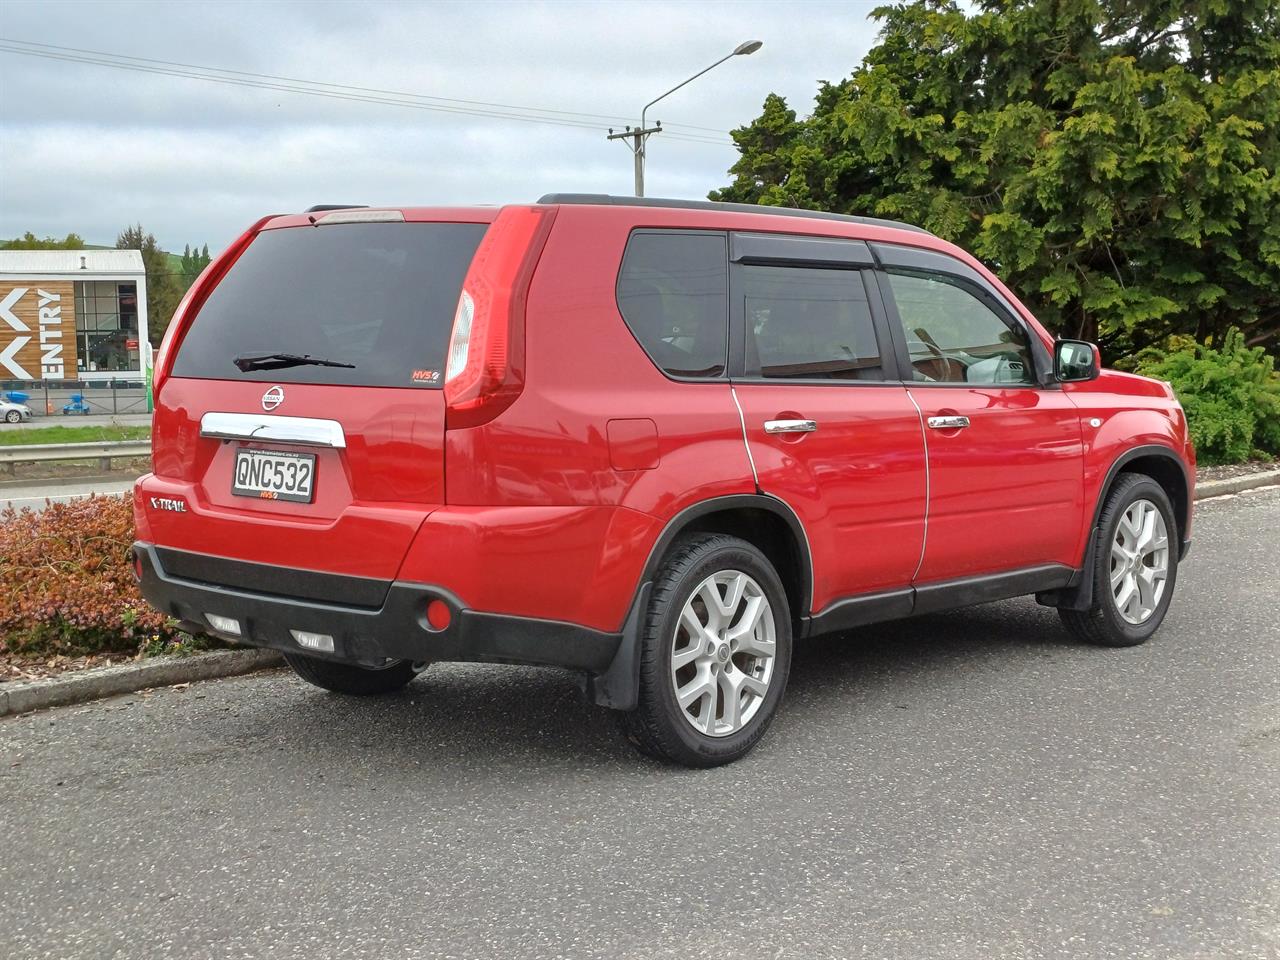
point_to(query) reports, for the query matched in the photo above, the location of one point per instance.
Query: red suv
(651, 441)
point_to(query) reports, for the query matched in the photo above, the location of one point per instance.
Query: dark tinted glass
(955, 337)
(809, 324)
(378, 295)
(673, 292)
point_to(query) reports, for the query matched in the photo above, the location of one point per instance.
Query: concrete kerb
(84, 685)
(1249, 481)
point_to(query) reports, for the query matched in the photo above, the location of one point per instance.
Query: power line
(327, 90)
(593, 117)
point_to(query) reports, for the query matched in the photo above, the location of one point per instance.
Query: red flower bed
(67, 584)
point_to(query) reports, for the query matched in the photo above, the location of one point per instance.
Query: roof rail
(604, 199)
(319, 207)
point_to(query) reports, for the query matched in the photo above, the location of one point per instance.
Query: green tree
(164, 285)
(1116, 161)
(29, 241)
(193, 263)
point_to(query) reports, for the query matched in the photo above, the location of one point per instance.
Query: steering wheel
(949, 370)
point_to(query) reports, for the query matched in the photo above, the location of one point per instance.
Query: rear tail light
(484, 373)
(460, 341)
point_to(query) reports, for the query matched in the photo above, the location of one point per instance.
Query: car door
(830, 431)
(1004, 442)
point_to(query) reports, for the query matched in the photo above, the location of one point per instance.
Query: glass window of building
(106, 326)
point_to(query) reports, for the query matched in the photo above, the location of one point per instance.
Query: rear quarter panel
(584, 369)
(557, 502)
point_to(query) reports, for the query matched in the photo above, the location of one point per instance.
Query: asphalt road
(38, 493)
(964, 786)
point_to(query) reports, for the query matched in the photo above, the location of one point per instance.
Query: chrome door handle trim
(790, 426)
(260, 426)
(948, 423)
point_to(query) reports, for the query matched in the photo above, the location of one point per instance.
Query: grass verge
(15, 438)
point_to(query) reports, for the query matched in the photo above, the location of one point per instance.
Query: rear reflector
(438, 615)
(313, 641)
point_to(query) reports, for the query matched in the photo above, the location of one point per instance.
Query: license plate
(274, 475)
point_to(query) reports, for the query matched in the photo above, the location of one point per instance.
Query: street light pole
(640, 134)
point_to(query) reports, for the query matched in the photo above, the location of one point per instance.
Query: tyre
(1135, 566)
(12, 416)
(352, 679)
(715, 653)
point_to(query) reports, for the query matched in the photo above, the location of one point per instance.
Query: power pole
(640, 134)
(637, 136)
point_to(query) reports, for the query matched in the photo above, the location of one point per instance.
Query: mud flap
(1079, 595)
(618, 687)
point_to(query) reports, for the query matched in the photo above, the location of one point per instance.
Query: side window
(806, 323)
(673, 291)
(954, 337)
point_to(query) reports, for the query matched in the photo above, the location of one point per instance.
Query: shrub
(1231, 396)
(67, 584)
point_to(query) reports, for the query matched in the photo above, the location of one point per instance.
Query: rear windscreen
(378, 296)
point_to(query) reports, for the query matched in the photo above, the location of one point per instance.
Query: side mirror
(1075, 361)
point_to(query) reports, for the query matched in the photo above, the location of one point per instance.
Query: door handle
(948, 423)
(790, 426)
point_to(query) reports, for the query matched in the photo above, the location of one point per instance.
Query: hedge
(67, 584)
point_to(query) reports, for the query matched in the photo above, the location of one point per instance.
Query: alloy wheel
(723, 652)
(1139, 561)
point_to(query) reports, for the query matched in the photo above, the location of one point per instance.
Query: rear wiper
(275, 361)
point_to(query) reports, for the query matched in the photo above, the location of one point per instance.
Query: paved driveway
(962, 786)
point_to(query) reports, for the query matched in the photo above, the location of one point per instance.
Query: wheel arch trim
(1130, 455)
(618, 687)
(745, 501)
(1079, 594)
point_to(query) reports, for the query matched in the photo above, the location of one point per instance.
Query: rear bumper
(369, 621)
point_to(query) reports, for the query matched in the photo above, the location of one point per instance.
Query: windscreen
(376, 298)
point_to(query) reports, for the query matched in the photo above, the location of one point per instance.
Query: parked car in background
(655, 442)
(12, 412)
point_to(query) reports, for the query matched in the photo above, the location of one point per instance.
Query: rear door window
(673, 292)
(808, 324)
(378, 296)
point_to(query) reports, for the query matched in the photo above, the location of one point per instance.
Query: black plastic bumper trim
(396, 629)
(265, 578)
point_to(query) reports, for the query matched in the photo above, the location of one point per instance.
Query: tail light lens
(484, 373)
(191, 302)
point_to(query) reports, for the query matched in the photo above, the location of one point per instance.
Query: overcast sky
(88, 148)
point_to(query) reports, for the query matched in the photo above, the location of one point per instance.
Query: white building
(72, 315)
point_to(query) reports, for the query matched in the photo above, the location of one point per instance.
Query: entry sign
(37, 330)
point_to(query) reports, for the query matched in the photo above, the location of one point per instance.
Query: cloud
(89, 148)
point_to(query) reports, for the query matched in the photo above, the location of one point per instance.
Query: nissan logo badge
(273, 398)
